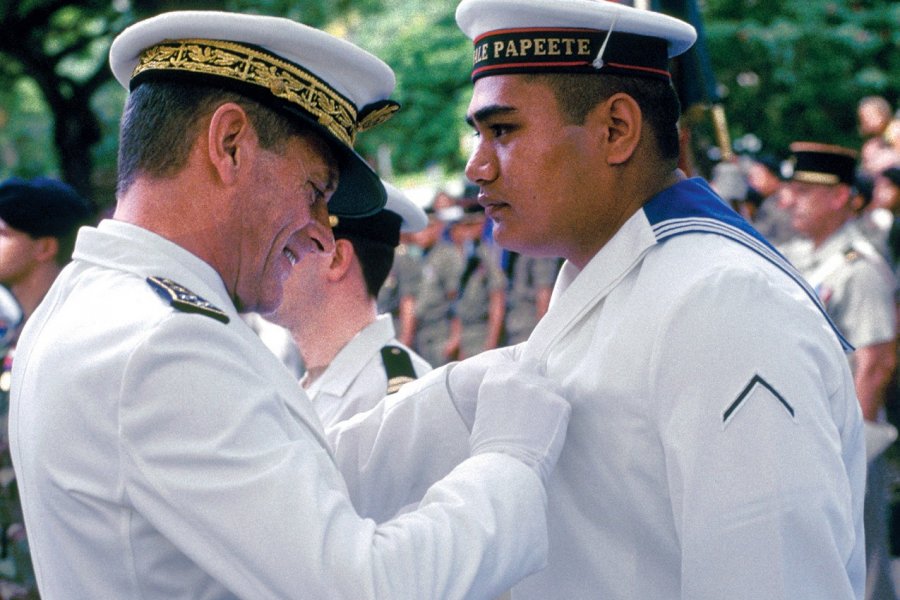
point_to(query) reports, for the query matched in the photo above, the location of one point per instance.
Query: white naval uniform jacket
(166, 455)
(356, 380)
(715, 447)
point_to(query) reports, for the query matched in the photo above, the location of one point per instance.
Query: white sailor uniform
(715, 448)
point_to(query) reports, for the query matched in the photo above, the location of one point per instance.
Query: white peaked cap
(329, 83)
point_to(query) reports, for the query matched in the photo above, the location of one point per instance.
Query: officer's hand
(464, 378)
(520, 413)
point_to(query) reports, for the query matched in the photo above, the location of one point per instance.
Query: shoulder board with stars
(184, 299)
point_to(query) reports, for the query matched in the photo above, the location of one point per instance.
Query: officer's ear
(621, 122)
(342, 260)
(228, 137)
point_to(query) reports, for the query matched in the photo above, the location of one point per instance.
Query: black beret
(43, 207)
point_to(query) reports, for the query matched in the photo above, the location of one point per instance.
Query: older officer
(856, 286)
(162, 451)
(352, 356)
(716, 447)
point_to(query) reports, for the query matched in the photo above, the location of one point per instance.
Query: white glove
(464, 378)
(520, 413)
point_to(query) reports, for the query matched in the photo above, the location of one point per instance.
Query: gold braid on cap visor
(815, 177)
(241, 63)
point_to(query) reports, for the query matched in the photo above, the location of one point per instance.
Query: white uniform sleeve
(212, 458)
(391, 454)
(762, 436)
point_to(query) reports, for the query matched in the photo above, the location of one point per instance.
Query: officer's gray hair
(161, 121)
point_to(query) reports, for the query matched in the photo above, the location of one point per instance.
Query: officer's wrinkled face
(284, 219)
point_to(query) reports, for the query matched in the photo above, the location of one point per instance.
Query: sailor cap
(332, 85)
(571, 36)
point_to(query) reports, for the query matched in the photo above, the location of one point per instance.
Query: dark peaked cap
(824, 164)
(43, 207)
(399, 214)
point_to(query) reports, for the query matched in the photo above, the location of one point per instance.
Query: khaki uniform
(480, 276)
(437, 291)
(402, 281)
(856, 286)
(528, 275)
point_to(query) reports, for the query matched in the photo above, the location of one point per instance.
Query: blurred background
(765, 73)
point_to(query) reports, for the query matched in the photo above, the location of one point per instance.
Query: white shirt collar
(353, 357)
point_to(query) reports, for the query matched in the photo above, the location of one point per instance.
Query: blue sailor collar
(688, 207)
(691, 206)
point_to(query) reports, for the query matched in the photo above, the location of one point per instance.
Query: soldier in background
(856, 286)
(771, 218)
(350, 351)
(477, 314)
(398, 294)
(530, 286)
(437, 288)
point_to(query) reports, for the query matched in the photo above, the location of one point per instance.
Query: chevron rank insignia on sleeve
(756, 383)
(184, 299)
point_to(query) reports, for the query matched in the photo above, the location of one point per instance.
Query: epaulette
(398, 367)
(185, 300)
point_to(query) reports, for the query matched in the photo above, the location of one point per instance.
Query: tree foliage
(793, 71)
(786, 71)
(432, 59)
